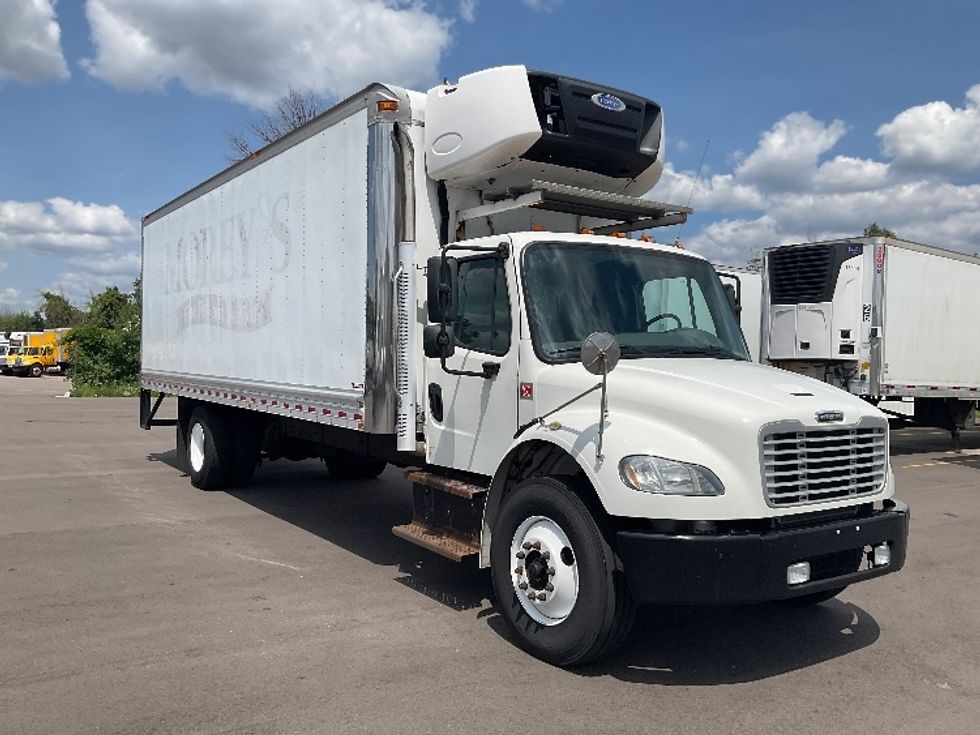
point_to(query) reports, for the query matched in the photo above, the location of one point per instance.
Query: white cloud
(12, 300)
(3, 266)
(543, 5)
(936, 136)
(60, 225)
(782, 192)
(126, 264)
(251, 50)
(79, 287)
(30, 43)
(787, 154)
(845, 173)
(467, 10)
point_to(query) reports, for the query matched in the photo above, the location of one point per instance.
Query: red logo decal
(527, 391)
(879, 258)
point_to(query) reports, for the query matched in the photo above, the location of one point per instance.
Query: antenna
(697, 179)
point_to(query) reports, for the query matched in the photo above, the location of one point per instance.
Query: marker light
(387, 105)
(798, 573)
(586, 231)
(537, 228)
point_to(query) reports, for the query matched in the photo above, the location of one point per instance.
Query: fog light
(798, 573)
(883, 555)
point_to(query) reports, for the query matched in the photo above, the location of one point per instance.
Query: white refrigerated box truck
(882, 318)
(417, 279)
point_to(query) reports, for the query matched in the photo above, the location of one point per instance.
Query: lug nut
(519, 570)
(536, 544)
(546, 555)
(522, 585)
(550, 587)
(541, 597)
(532, 596)
(527, 546)
(551, 571)
(520, 554)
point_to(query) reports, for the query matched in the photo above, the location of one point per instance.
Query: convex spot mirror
(442, 279)
(438, 341)
(600, 353)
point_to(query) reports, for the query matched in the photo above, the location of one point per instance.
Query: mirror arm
(540, 419)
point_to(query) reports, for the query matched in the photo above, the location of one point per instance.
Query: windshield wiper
(623, 348)
(707, 350)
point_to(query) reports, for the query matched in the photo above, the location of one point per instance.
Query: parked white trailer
(370, 290)
(881, 318)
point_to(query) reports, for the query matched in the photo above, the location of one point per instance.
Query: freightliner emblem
(827, 416)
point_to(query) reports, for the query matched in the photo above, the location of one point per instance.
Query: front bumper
(751, 567)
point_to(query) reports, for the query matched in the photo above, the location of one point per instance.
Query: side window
(484, 310)
(681, 297)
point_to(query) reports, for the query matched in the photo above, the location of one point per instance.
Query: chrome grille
(815, 465)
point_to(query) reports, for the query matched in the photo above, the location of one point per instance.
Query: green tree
(874, 230)
(21, 321)
(110, 309)
(58, 311)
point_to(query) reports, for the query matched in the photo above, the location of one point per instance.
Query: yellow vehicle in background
(37, 353)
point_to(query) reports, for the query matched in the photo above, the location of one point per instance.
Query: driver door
(470, 420)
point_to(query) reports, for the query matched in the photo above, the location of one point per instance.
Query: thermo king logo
(608, 102)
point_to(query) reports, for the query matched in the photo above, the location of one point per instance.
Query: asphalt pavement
(130, 602)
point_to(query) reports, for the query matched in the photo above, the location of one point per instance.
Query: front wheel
(36, 370)
(556, 578)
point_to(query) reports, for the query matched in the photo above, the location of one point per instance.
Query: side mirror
(733, 300)
(442, 281)
(438, 343)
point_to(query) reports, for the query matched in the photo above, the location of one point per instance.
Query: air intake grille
(802, 275)
(816, 465)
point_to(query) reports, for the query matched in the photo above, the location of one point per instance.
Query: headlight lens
(667, 477)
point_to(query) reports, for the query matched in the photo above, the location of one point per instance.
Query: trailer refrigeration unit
(444, 282)
(881, 318)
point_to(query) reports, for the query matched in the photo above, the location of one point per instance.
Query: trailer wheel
(555, 576)
(36, 371)
(354, 467)
(210, 448)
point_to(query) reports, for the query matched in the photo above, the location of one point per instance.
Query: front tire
(210, 455)
(557, 581)
(36, 371)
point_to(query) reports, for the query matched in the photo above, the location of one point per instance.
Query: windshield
(657, 304)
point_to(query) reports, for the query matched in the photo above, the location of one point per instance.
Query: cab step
(440, 541)
(447, 513)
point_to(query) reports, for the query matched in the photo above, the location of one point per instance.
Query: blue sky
(821, 116)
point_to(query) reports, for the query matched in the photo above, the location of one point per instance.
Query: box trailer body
(881, 318)
(413, 279)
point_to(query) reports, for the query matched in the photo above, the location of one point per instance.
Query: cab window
(484, 309)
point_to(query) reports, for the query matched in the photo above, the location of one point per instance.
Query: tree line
(104, 342)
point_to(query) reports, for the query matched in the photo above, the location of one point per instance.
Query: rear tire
(354, 467)
(588, 610)
(210, 454)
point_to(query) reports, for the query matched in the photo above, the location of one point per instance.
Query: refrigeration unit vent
(802, 275)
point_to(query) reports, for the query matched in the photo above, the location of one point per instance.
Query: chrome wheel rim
(197, 447)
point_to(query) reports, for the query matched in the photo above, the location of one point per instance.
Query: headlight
(667, 477)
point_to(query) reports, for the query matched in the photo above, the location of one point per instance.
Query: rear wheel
(556, 578)
(210, 452)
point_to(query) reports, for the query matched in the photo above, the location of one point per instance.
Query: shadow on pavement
(706, 646)
(911, 440)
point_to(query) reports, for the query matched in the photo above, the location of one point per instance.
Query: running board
(447, 513)
(441, 542)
